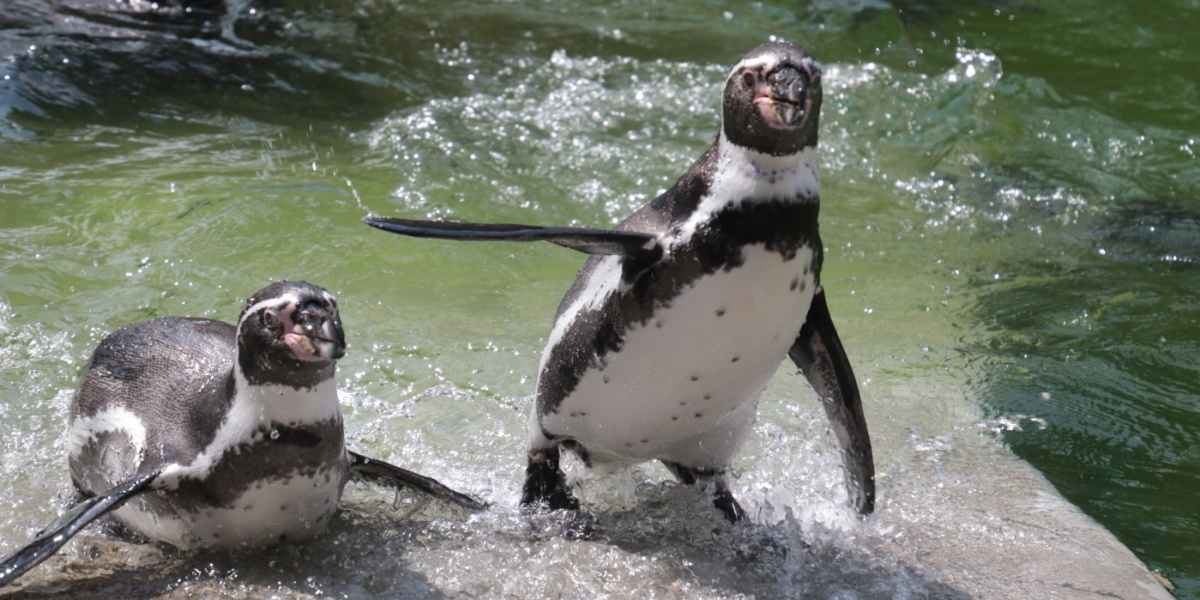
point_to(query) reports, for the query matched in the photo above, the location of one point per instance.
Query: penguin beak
(316, 334)
(783, 98)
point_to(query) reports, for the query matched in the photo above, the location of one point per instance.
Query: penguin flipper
(819, 353)
(642, 247)
(371, 470)
(57, 534)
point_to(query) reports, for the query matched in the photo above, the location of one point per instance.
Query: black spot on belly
(683, 402)
(695, 378)
(645, 440)
(674, 417)
(706, 397)
(795, 284)
(720, 312)
(803, 286)
(658, 324)
(698, 415)
(736, 358)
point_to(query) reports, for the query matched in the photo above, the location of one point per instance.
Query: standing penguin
(233, 433)
(666, 340)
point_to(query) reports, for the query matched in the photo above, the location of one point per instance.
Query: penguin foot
(545, 485)
(547, 502)
(722, 498)
(728, 505)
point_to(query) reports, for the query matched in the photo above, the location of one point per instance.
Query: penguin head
(290, 333)
(772, 100)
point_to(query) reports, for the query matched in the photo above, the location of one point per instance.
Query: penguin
(682, 313)
(201, 434)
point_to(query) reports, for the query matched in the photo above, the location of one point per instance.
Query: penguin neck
(266, 403)
(747, 175)
(744, 178)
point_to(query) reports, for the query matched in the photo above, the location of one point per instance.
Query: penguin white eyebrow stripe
(639, 246)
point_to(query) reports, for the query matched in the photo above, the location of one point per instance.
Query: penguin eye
(271, 317)
(749, 79)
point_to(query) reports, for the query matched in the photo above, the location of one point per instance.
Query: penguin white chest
(684, 385)
(270, 489)
(284, 509)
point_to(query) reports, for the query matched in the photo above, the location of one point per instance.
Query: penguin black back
(166, 391)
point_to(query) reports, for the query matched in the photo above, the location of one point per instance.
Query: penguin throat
(801, 165)
(264, 403)
(745, 178)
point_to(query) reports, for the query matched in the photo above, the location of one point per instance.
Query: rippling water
(1009, 203)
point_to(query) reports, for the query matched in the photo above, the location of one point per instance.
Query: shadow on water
(277, 61)
(111, 60)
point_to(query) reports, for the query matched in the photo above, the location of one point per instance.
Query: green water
(1010, 202)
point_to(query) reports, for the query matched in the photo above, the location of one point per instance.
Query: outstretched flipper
(65, 527)
(375, 471)
(642, 247)
(819, 354)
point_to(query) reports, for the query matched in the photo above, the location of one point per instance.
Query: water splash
(979, 67)
(556, 123)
